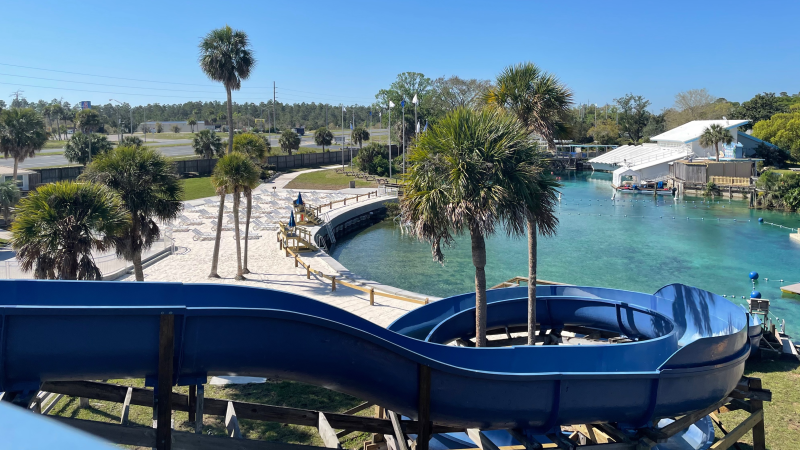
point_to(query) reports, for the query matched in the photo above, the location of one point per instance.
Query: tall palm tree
(207, 144)
(715, 135)
(256, 149)
(541, 103)
(23, 133)
(359, 134)
(150, 191)
(78, 147)
(465, 176)
(59, 225)
(232, 172)
(323, 137)
(9, 196)
(225, 56)
(192, 122)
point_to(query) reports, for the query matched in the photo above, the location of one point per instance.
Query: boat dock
(791, 289)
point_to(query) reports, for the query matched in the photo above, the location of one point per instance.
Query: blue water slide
(687, 348)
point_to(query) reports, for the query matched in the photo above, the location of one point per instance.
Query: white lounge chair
(259, 225)
(200, 236)
(184, 220)
(250, 236)
(224, 227)
(179, 228)
(205, 214)
(232, 219)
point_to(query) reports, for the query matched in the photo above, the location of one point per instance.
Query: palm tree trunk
(16, 165)
(137, 265)
(215, 258)
(716, 151)
(137, 252)
(230, 121)
(532, 243)
(239, 274)
(249, 195)
(479, 261)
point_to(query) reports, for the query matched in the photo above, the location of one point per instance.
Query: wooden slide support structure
(517, 280)
(337, 282)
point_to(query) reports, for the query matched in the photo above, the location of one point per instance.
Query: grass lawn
(280, 393)
(54, 144)
(326, 179)
(194, 188)
(782, 414)
(786, 171)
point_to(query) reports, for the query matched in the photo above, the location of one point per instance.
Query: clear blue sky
(347, 51)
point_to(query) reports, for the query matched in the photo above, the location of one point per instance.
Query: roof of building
(5, 170)
(691, 131)
(760, 141)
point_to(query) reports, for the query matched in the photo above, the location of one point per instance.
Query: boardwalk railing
(329, 205)
(517, 280)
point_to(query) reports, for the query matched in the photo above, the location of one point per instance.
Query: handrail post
(371, 296)
(308, 272)
(333, 283)
(295, 261)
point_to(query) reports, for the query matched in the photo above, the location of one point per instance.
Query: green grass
(782, 414)
(785, 171)
(326, 179)
(158, 145)
(280, 393)
(54, 144)
(194, 188)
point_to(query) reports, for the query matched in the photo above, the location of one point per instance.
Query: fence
(107, 263)
(284, 162)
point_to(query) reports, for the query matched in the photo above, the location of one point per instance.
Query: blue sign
(86, 105)
(403, 103)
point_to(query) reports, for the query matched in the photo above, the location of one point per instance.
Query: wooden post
(759, 439)
(126, 407)
(166, 351)
(424, 408)
(198, 415)
(327, 434)
(399, 435)
(83, 402)
(308, 272)
(295, 261)
(333, 283)
(192, 401)
(371, 296)
(232, 422)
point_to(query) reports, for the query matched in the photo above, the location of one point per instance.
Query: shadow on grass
(770, 366)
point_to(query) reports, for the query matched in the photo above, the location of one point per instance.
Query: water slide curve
(688, 349)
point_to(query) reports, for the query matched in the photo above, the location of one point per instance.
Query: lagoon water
(632, 242)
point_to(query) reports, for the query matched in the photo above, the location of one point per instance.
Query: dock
(791, 289)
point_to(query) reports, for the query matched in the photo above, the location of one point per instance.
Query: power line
(100, 84)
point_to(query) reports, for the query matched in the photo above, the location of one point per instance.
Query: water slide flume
(688, 352)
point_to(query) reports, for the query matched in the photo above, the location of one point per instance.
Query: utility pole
(273, 111)
(390, 138)
(342, 136)
(403, 104)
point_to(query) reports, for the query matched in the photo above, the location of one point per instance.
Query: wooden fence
(284, 162)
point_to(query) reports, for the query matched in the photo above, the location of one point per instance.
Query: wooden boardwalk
(791, 289)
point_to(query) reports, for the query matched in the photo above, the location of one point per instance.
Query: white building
(650, 162)
(23, 177)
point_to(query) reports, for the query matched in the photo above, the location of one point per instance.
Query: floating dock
(791, 289)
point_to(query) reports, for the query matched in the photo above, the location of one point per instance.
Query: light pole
(119, 122)
(403, 105)
(342, 136)
(390, 138)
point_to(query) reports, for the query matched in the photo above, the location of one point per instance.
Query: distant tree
(713, 136)
(159, 127)
(696, 104)
(711, 190)
(633, 115)
(656, 125)
(761, 107)
(782, 130)
(22, 134)
(88, 120)
(367, 156)
(289, 141)
(77, 148)
(146, 128)
(225, 56)
(60, 225)
(772, 156)
(131, 141)
(208, 144)
(359, 135)
(150, 191)
(605, 133)
(176, 129)
(192, 122)
(9, 196)
(323, 137)
(455, 92)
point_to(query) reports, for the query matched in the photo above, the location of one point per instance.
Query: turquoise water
(631, 243)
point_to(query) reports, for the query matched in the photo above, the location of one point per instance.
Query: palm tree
(77, 149)
(466, 175)
(131, 141)
(60, 225)
(541, 103)
(9, 196)
(323, 137)
(225, 56)
(150, 191)
(289, 141)
(256, 149)
(88, 120)
(232, 173)
(713, 136)
(192, 122)
(208, 144)
(23, 133)
(359, 134)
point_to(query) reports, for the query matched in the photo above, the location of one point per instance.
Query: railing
(344, 201)
(107, 263)
(517, 280)
(334, 282)
(729, 181)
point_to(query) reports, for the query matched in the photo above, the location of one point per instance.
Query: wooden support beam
(716, 420)
(736, 434)
(83, 402)
(759, 434)
(166, 350)
(662, 434)
(612, 432)
(232, 422)
(329, 437)
(199, 405)
(480, 439)
(424, 407)
(399, 435)
(596, 435)
(530, 444)
(344, 433)
(562, 442)
(359, 408)
(192, 402)
(126, 408)
(57, 397)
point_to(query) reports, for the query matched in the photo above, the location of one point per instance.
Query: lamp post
(119, 122)
(403, 105)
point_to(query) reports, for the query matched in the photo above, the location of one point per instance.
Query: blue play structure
(687, 349)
